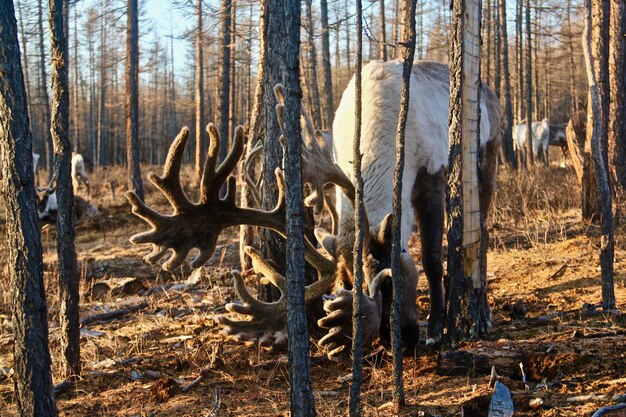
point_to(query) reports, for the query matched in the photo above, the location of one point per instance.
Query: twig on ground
(110, 315)
(217, 404)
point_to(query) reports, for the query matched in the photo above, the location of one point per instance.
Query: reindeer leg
(429, 202)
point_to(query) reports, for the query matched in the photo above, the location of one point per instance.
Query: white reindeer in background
(198, 225)
(79, 172)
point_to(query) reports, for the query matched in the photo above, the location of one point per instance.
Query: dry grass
(132, 364)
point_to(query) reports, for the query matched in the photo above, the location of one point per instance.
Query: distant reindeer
(79, 172)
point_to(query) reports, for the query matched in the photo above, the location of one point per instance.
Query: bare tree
(132, 101)
(359, 213)
(529, 92)
(317, 113)
(246, 236)
(33, 380)
(43, 92)
(383, 32)
(224, 85)
(299, 373)
(506, 75)
(408, 53)
(617, 79)
(468, 309)
(328, 81)
(199, 92)
(68, 269)
(271, 244)
(592, 45)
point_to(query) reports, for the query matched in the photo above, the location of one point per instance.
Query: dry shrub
(541, 194)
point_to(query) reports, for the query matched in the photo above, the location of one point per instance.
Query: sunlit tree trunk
(31, 358)
(468, 309)
(68, 268)
(132, 100)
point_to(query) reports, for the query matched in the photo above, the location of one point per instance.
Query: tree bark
(199, 93)
(317, 114)
(596, 120)
(224, 85)
(32, 381)
(572, 84)
(66, 234)
(408, 53)
(102, 131)
(506, 75)
(132, 101)
(246, 236)
(580, 152)
(302, 404)
(468, 309)
(383, 32)
(530, 157)
(600, 51)
(359, 213)
(617, 78)
(328, 80)
(43, 97)
(271, 244)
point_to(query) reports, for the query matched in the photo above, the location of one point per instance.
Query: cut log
(479, 360)
(115, 287)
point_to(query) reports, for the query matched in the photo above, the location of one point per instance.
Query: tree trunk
(299, 372)
(101, 139)
(75, 107)
(580, 153)
(572, 83)
(328, 81)
(32, 380)
(596, 120)
(359, 213)
(317, 114)
(66, 234)
(132, 101)
(383, 32)
(24, 44)
(199, 93)
(530, 157)
(519, 62)
(43, 97)
(506, 75)
(271, 244)
(600, 52)
(224, 77)
(468, 309)
(246, 236)
(617, 77)
(408, 53)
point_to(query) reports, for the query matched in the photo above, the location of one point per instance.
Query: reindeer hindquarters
(429, 204)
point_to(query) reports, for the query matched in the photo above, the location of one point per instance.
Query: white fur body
(541, 137)
(78, 171)
(426, 135)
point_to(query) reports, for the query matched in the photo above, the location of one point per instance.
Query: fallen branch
(62, 387)
(204, 373)
(111, 315)
(559, 272)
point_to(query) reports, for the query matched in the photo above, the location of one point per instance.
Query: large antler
(318, 167)
(198, 225)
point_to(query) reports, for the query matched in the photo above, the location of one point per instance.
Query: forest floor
(543, 263)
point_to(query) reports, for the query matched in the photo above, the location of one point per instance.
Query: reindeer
(79, 173)
(198, 225)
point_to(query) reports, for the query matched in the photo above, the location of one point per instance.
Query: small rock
(535, 403)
